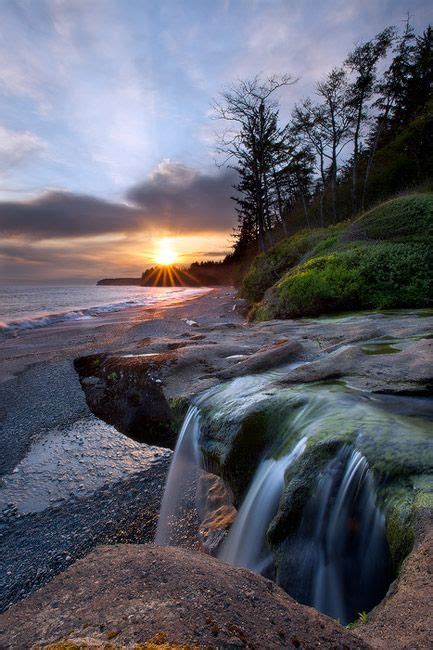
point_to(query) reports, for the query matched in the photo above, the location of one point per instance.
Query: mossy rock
(179, 407)
(232, 449)
(233, 443)
(300, 481)
(382, 260)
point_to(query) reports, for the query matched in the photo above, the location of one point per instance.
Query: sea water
(32, 306)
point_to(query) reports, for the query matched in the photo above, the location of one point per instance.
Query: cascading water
(332, 553)
(338, 560)
(245, 544)
(180, 495)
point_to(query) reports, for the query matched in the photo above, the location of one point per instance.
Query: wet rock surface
(126, 392)
(404, 367)
(403, 619)
(130, 594)
(389, 353)
(35, 546)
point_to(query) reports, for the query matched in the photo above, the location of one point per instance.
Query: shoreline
(49, 437)
(105, 329)
(371, 353)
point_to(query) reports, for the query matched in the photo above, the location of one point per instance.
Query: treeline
(367, 133)
(198, 274)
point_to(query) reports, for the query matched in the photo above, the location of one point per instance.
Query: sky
(107, 133)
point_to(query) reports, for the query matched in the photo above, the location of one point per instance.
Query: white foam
(177, 295)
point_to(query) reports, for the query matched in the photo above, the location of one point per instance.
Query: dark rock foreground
(130, 594)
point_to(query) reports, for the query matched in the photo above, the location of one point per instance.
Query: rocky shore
(142, 382)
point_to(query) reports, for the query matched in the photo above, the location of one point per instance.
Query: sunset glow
(165, 255)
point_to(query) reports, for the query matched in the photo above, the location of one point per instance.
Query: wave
(90, 312)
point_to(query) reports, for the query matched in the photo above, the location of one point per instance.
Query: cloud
(175, 197)
(181, 198)
(64, 214)
(18, 148)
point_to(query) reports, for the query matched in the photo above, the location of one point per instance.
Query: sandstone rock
(219, 512)
(127, 393)
(403, 619)
(265, 359)
(392, 369)
(128, 594)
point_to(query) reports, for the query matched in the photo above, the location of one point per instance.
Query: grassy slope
(381, 260)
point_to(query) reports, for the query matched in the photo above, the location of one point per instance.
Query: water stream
(245, 544)
(180, 494)
(338, 560)
(326, 441)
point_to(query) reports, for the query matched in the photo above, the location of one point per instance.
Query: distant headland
(198, 274)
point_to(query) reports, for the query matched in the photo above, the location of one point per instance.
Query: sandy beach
(67, 480)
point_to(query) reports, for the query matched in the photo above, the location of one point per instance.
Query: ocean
(28, 307)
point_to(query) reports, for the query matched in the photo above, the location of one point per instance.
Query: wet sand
(67, 480)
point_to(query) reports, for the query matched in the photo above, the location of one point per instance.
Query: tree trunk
(380, 127)
(355, 157)
(304, 205)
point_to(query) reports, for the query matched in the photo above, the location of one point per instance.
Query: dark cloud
(183, 199)
(63, 214)
(175, 197)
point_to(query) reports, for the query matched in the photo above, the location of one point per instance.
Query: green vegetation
(364, 136)
(362, 619)
(381, 260)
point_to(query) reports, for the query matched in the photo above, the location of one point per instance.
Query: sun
(165, 255)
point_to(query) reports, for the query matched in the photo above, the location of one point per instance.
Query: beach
(67, 480)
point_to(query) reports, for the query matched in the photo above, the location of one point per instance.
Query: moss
(382, 260)
(300, 481)
(400, 520)
(179, 406)
(233, 451)
(379, 348)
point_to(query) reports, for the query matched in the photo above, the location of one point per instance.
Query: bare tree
(362, 63)
(336, 120)
(307, 123)
(252, 146)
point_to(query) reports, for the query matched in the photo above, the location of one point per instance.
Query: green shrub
(397, 275)
(382, 260)
(268, 267)
(328, 283)
(407, 217)
(382, 275)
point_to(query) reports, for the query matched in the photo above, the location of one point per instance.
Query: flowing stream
(180, 494)
(245, 543)
(337, 561)
(309, 515)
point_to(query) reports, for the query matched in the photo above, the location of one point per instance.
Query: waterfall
(338, 559)
(245, 544)
(334, 556)
(178, 513)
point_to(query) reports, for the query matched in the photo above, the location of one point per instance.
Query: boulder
(126, 392)
(130, 594)
(403, 621)
(405, 368)
(281, 352)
